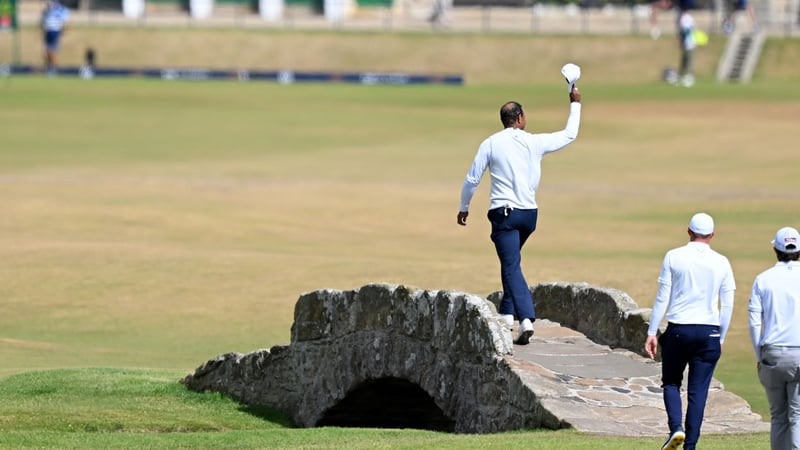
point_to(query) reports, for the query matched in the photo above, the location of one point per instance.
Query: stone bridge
(398, 357)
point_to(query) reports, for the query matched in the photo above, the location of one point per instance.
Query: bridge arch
(387, 403)
(447, 346)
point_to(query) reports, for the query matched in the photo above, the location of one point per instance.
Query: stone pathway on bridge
(601, 390)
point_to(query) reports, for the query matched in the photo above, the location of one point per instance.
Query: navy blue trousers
(510, 229)
(698, 347)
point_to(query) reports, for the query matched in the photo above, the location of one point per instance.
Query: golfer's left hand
(462, 218)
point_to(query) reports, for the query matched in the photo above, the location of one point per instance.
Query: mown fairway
(153, 225)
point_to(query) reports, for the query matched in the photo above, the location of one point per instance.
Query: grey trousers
(779, 372)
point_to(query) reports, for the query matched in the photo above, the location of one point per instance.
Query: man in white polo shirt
(695, 291)
(775, 335)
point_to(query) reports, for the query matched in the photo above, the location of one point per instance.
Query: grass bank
(110, 408)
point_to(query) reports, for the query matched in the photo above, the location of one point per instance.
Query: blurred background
(775, 17)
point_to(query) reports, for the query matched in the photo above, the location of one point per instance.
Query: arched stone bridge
(398, 357)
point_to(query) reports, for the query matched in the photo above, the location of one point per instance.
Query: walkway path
(616, 392)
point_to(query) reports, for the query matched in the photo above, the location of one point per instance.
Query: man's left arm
(726, 302)
(725, 313)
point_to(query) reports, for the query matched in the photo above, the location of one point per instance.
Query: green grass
(148, 226)
(112, 408)
(129, 401)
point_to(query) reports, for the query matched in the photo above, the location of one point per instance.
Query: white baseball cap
(702, 224)
(572, 72)
(787, 240)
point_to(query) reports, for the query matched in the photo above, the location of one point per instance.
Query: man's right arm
(755, 321)
(659, 308)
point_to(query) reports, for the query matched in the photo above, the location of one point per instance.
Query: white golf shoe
(525, 332)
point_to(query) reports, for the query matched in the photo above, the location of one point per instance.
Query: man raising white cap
(695, 291)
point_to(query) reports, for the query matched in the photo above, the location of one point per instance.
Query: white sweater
(514, 157)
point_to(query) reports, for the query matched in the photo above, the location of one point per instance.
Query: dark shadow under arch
(387, 403)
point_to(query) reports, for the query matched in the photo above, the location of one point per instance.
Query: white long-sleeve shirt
(686, 24)
(514, 158)
(695, 286)
(775, 307)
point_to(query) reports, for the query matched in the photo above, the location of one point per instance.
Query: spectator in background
(665, 5)
(87, 70)
(734, 6)
(775, 335)
(687, 44)
(54, 22)
(655, 8)
(440, 15)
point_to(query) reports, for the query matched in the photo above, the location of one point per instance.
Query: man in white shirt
(775, 335)
(513, 157)
(695, 291)
(687, 44)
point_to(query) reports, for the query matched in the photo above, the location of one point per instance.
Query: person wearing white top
(687, 44)
(695, 291)
(513, 157)
(775, 334)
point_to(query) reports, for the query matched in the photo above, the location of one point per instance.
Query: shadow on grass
(268, 414)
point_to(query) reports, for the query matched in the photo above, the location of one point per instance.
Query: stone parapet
(605, 315)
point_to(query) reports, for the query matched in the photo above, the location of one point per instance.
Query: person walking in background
(656, 6)
(440, 14)
(54, 22)
(695, 291)
(513, 157)
(775, 334)
(732, 7)
(687, 43)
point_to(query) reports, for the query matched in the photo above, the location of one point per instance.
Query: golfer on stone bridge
(513, 157)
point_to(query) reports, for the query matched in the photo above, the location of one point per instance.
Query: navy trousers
(698, 347)
(510, 229)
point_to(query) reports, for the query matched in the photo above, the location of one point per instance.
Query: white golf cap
(702, 224)
(572, 73)
(787, 240)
